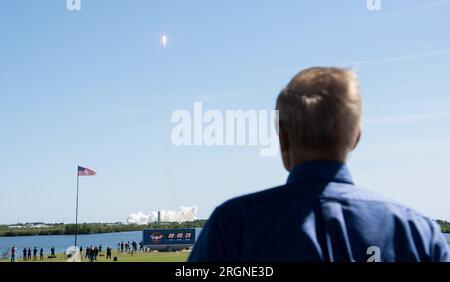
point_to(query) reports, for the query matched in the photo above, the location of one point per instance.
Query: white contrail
(411, 117)
(365, 62)
(400, 58)
(423, 7)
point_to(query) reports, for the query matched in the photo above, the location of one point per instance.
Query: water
(447, 236)
(62, 242)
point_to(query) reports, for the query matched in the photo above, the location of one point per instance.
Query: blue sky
(95, 87)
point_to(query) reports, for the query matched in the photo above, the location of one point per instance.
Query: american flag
(82, 171)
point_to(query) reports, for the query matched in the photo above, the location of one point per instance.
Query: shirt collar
(321, 170)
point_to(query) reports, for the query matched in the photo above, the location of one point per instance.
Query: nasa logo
(156, 237)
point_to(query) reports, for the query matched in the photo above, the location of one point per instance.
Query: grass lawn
(127, 257)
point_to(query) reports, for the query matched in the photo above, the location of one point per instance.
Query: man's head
(319, 115)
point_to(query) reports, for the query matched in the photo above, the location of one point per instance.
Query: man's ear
(282, 134)
(358, 137)
(285, 147)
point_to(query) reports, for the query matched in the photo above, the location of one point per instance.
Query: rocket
(164, 40)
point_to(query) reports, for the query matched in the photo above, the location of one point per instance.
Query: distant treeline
(94, 228)
(445, 225)
(90, 228)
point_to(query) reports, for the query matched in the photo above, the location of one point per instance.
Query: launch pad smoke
(181, 215)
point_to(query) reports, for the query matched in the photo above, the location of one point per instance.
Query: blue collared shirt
(319, 215)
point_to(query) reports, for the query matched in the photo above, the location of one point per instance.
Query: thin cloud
(394, 59)
(121, 115)
(422, 7)
(376, 61)
(390, 14)
(400, 58)
(208, 96)
(409, 118)
(275, 71)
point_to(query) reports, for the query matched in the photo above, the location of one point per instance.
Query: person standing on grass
(81, 252)
(95, 254)
(100, 248)
(24, 254)
(52, 252)
(141, 246)
(29, 254)
(13, 254)
(323, 215)
(91, 254)
(35, 253)
(121, 247)
(108, 252)
(88, 251)
(41, 254)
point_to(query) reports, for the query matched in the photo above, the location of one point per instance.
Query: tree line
(91, 228)
(445, 225)
(94, 228)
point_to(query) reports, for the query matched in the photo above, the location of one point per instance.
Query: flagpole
(76, 213)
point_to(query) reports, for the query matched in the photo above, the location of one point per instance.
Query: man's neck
(304, 158)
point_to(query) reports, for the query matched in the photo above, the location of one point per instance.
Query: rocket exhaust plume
(182, 215)
(164, 40)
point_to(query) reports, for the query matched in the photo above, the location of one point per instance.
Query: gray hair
(321, 110)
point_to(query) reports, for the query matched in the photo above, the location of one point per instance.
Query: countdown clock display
(169, 236)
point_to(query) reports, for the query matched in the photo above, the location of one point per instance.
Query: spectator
(24, 254)
(29, 254)
(93, 255)
(13, 254)
(96, 250)
(88, 253)
(108, 252)
(52, 252)
(35, 253)
(41, 254)
(322, 214)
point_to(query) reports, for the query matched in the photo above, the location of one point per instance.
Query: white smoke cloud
(181, 215)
